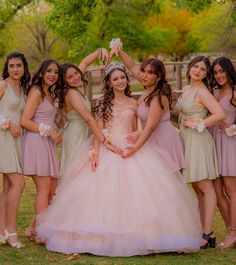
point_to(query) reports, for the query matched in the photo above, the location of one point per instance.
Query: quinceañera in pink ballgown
(133, 206)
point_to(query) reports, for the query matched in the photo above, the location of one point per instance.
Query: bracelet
(66, 125)
(92, 153)
(44, 130)
(200, 127)
(99, 53)
(4, 122)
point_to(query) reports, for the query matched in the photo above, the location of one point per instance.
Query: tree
(215, 28)
(27, 31)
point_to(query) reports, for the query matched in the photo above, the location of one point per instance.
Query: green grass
(34, 254)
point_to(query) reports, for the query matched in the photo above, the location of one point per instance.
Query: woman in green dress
(198, 110)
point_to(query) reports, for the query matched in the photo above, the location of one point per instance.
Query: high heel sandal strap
(207, 236)
(7, 234)
(16, 244)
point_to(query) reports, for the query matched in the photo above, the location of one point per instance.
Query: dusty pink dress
(127, 207)
(165, 136)
(225, 145)
(39, 153)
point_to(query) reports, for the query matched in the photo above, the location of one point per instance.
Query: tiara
(113, 65)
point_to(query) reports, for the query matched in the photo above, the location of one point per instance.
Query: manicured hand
(15, 130)
(223, 125)
(95, 162)
(56, 136)
(113, 148)
(129, 152)
(133, 137)
(190, 123)
(104, 56)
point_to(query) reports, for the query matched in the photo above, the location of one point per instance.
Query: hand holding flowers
(4, 123)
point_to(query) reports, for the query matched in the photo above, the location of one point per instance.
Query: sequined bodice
(122, 121)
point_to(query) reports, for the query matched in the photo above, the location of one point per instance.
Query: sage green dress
(74, 135)
(199, 148)
(11, 106)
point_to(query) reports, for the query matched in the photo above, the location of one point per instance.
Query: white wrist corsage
(4, 122)
(116, 43)
(44, 130)
(200, 127)
(231, 131)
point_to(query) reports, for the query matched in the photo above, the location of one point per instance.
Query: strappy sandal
(30, 233)
(16, 244)
(2, 239)
(224, 245)
(211, 240)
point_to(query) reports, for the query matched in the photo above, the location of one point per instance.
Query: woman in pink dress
(152, 75)
(15, 81)
(117, 206)
(39, 144)
(224, 136)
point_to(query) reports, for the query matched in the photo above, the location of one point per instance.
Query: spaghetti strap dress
(199, 148)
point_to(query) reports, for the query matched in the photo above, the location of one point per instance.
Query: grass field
(34, 254)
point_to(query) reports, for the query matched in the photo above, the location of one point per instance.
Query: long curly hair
(162, 88)
(229, 69)
(38, 79)
(206, 80)
(64, 87)
(25, 79)
(103, 108)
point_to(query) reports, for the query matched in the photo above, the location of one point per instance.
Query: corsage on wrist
(107, 139)
(4, 122)
(116, 43)
(200, 127)
(231, 131)
(44, 130)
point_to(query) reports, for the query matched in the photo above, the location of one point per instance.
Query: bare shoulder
(133, 101)
(3, 86)
(185, 88)
(35, 94)
(204, 91)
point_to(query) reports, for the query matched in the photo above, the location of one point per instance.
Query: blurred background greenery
(68, 30)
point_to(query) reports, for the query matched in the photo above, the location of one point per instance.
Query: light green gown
(74, 135)
(11, 107)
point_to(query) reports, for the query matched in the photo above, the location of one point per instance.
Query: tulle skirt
(133, 206)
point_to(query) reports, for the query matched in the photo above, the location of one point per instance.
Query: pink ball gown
(133, 206)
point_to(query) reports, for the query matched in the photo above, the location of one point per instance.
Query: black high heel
(211, 241)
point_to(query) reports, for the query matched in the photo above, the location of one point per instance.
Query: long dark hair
(63, 88)
(25, 79)
(38, 79)
(162, 88)
(206, 80)
(229, 69)
(103, 108)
